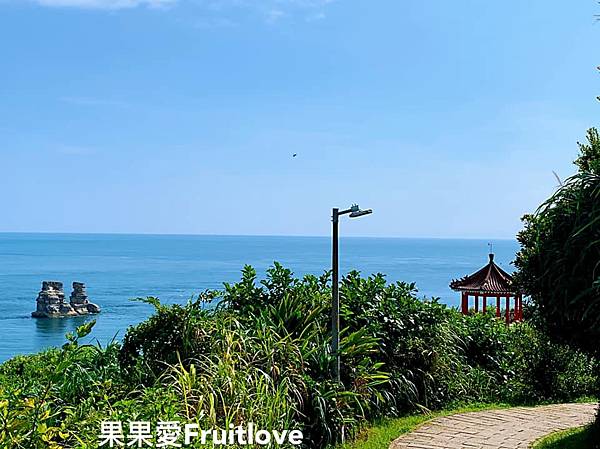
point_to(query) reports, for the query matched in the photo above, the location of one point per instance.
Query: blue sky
(181, 116)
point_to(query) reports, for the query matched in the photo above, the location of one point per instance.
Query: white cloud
(211, 13)
(274, 11)
(317, 16)
(105, 4)
(209, 23)
(273, 15)
(213, 4)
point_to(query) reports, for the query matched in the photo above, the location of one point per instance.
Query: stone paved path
(514, 428)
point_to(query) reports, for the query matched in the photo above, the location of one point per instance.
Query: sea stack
(51, 301)
(79, 300)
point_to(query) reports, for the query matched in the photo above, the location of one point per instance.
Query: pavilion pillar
(476, 303)
(497, 306)
(484, 304)
(519, 306)
(465, 303)
(508, 310)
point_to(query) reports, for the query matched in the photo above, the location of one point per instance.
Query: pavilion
(490, 281)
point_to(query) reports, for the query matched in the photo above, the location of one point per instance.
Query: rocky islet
(51, 301)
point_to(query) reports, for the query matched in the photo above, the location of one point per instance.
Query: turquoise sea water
(119, 267)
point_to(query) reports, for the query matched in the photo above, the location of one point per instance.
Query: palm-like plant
(559, 261)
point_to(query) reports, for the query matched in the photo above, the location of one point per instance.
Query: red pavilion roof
(490, 279)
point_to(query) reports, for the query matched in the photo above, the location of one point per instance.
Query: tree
(559, 260)
(589, 153)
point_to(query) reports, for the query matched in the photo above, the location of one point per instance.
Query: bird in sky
(295, 154)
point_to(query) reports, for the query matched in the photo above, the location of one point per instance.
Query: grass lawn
(383, 433)
(570, 439)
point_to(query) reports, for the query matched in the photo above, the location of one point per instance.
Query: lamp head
(359, 213)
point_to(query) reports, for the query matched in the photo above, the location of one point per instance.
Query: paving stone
(514, 428)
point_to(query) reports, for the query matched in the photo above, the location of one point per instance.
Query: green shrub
(560, 254)
(261, 353)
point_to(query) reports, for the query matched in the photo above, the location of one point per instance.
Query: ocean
(117, 268)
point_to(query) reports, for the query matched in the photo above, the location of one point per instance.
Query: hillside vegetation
(262, 356)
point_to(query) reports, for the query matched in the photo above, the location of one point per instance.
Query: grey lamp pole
(354, 212)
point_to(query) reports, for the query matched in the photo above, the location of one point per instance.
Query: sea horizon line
(168, 234)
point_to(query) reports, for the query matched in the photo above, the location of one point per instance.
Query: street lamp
(354, 212)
